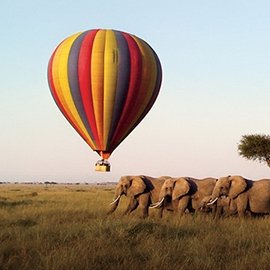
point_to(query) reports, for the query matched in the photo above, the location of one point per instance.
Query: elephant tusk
(157, 204)
(115, 200)
(153, 205)
(212, 201)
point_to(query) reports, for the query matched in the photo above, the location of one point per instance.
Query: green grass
(58, 227)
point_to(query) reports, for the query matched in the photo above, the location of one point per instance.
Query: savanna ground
(65, 227)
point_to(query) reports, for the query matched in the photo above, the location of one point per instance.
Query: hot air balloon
(104, 82)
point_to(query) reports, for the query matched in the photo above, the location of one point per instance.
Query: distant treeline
(55, 183)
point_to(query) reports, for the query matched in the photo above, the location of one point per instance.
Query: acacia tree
(255, 147)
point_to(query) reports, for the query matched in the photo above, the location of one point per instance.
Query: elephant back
(206, 185)
(154, 186)
(204, 188)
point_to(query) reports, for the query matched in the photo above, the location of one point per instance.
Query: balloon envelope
(104, 82)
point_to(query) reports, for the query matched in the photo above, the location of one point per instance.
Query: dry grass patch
(67, 228)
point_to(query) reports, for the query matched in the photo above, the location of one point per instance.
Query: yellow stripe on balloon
(60, 78)
(110, 81)
(97, 73)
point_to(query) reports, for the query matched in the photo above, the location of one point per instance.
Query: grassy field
(65, 227)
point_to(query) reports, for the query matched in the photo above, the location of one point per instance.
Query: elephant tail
(114, 204)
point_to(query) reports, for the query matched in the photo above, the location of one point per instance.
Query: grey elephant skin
(185, 193)
(141, 190)
(250, 197)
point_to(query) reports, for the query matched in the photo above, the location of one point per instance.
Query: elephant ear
(180, 189)
(238, 185)
(137, 186)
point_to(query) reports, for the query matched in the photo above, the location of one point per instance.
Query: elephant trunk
(163, 194)
(214, 197)
(114, 204)
(212, 201)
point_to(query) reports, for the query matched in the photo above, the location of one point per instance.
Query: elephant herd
(226, 196)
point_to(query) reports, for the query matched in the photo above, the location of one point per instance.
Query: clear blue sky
(216, 87)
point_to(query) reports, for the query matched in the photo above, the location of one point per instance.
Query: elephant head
(130, 186)
(204, 207)
(230, 186)
(172, 189)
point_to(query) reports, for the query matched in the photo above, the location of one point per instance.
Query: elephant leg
(214, 211)
(133, 204)
(218, 212)
(182, 205)
(241, 203)
(160, 212)
(241, 213)
(144, 202)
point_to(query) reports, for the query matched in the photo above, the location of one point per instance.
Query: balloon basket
(102, 166)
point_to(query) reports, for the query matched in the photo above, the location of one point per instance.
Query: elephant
(185, 193)
(223, 207)
(141, 190)
(250, 197)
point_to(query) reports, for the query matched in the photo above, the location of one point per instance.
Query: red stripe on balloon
(134, 85)
(84, 73)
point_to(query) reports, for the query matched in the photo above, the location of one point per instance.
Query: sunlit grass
(66, 227)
